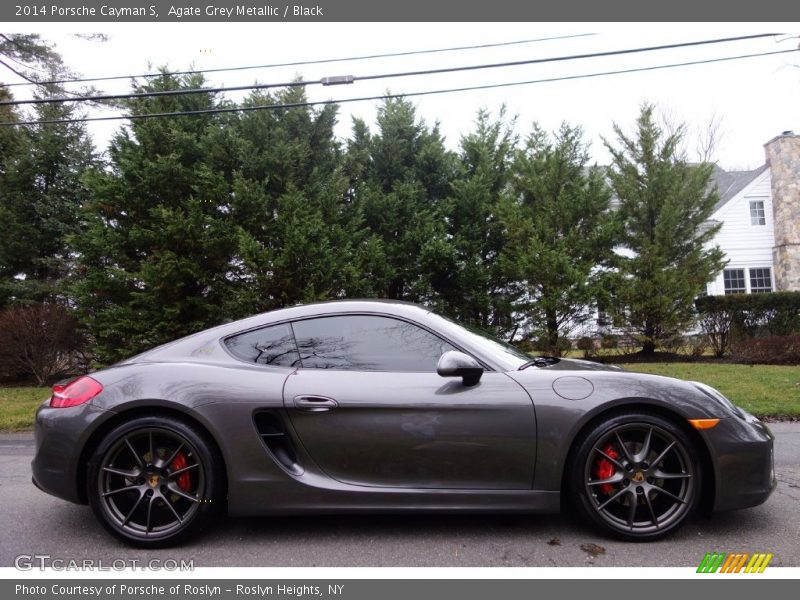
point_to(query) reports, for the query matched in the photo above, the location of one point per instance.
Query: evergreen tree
(41, 185)
(664, 205)
(156, 248)
(471, 285)
(399, 185)
(290, 204)
(559, 231)
(369, 257)
(31, 57)
(13, 149)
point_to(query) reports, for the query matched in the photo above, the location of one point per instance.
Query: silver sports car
(378, 406)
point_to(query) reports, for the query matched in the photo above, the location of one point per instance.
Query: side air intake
(273, 433)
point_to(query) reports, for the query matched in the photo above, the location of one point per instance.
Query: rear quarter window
(272, 346)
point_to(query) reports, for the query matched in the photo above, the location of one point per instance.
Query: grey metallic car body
(395, 441)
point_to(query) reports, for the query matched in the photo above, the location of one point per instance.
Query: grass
(763, 390)
(597, 352)
(17, 406)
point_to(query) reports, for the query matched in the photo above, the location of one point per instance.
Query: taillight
(78, 391)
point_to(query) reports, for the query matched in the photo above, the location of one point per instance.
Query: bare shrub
(697, 345)
(717, 327)
(587, 344)
(38, 342)
(774, 349)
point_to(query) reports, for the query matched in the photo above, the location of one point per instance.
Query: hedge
(736, 317)
(773, 350)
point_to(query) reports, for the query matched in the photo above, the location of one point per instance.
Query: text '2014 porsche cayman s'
(378, 406)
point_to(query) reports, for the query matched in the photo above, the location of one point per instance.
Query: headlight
(719, 397)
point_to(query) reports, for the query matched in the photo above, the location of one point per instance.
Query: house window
(734, 281)
(757, 214)
(760, 280)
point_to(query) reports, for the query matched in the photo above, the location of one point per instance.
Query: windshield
(497, 349)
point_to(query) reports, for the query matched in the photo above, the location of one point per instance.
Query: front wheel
(154, 481)
(636, 476)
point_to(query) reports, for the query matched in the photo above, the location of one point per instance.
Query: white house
(760, 215)
(746, 236)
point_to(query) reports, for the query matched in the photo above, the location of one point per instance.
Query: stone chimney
(783, 159)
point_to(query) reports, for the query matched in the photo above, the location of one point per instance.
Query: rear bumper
(742, 450)
(60, 434)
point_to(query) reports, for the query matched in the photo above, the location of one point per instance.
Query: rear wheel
(154, 481)
(636, 476)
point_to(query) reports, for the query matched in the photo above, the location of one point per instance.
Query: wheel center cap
(153, 480)
(638, 477)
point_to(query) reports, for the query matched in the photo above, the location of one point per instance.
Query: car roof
(301, 311)
(336, 306)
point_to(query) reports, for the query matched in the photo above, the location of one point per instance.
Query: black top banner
(404, 10)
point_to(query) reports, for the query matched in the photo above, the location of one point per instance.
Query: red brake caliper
(603, 469)
(185, 478)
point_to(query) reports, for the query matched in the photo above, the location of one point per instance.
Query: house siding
(745, 246)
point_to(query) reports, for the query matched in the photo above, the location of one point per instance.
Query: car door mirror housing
(458, 364)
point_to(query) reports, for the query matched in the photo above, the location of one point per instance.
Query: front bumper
(60, 434)
(742, 450)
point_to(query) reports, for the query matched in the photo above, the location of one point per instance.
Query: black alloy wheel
(154, 481)
(636, 476)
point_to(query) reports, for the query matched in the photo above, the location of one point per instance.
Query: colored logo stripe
(711, 562)
(758, 563)
(727, 565)
(737, 563)
(734, 562)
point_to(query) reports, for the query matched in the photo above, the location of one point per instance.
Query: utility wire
(22, 64)
(18, 73)
(351, 79)
(33, 81)
(316, 62)
(391, 96)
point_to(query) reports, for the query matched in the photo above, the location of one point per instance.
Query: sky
(753, 99)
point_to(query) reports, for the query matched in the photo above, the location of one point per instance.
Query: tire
(630, 491)
(156, 502)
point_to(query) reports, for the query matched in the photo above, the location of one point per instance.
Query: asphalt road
(32, 522)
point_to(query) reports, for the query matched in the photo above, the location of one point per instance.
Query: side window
(757, 214)
(367, 343)
(272, 346)
(734, 281)
(760, 280)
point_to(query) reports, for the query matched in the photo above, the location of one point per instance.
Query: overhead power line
(22, 64)
(392, 96)
(17, 73)
(351, 79)
(312, 62)
(22, 74)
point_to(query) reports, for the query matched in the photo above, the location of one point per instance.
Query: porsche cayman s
(380, 406)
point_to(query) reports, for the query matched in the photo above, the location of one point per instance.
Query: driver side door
(370, 409)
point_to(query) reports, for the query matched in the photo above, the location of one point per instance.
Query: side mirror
(458, 364)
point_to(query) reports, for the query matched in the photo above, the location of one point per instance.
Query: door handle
(314, 403)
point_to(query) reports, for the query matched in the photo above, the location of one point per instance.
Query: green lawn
(763, 390)
(17, 405)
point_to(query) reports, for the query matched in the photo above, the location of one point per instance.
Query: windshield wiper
(540, 361)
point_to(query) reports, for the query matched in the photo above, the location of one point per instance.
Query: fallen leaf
(593, 549)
